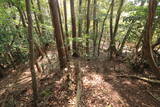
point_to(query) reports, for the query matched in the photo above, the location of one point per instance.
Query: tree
(74, 32)
(80, 19)
(94, 26)
(125, 38)
(111, 30)
(63, 35)
(88, 25)
(148, 37)
(66, 24)
(103, 24)
(40, 15)
(114, 32)
(58, 32)
(31, 53)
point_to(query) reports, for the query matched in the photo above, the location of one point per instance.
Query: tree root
(141, 78)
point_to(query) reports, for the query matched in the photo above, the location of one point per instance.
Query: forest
(79, 53)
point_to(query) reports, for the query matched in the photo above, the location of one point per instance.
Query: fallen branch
(141, 78)
(153, 96)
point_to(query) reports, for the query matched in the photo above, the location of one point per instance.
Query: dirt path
(101, 87)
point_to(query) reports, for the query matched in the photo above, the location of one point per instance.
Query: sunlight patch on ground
(72, 102)
(98, 92)
(92, 79)
(2, 91)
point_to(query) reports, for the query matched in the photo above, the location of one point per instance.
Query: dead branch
(141, 78)
(153, 96)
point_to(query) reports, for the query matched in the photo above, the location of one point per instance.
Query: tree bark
(22, 17)
(66, 25)
(125, 38)
(148, 37)
(111, 30)
(40, 15)
(31, 53)
(114, 33)
(80, 21)
(88, 25)
(118, 18)
(58, 32)
(94, 26)
(63, 36)
(99, 43)
(74, 32)
(36, 20)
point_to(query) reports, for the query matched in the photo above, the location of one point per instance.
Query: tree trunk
(31, 51)
(111, 29)
(21, 16)
(113, 44)
(74, 32)
(125, 38)
(66, 25)
(40, 17)
(58, 32)
(80, 21)
(148, 37)
(88, 25)
(36, 20)
(118, 18)
(99, 43)
(63, 36)
(94, 26)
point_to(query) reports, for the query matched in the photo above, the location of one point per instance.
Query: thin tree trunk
(94, 26)
(111, 29)
(40, 16)
(118, 18)
(80, 21)
(113, 44)
(36, 45)
(74, 32)
(66, 25)
(63, 36)
(31, 51)
(21, 16)
(58, 32)
(88, 25)
(24, 14)
(99, 43)
(36, 20)
(125, 38)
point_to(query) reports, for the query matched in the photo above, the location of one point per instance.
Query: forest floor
(101, 86)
